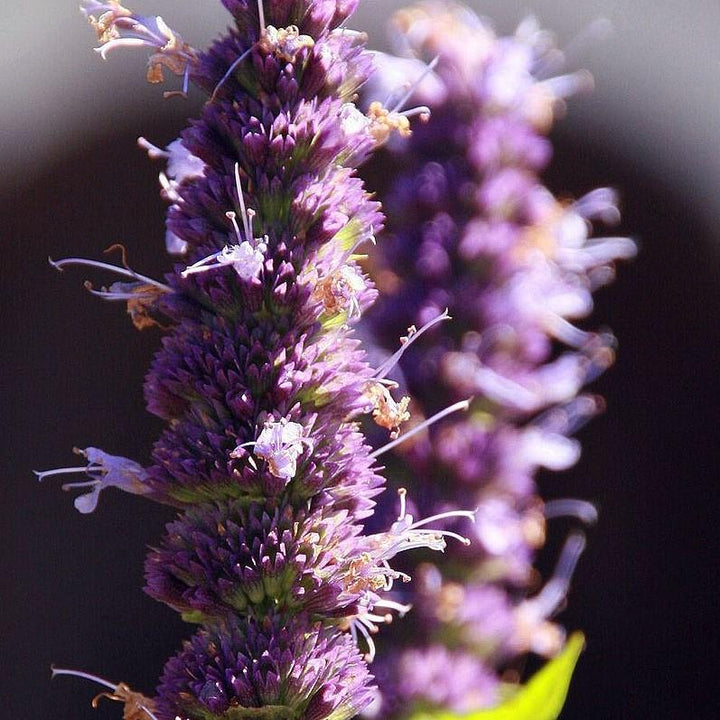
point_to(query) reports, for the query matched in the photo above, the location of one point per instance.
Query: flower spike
(472, 229)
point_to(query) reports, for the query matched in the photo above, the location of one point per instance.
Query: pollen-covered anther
(387, 412)
(339, 291)
(384, 122)
(286, 43)
(362, 575)
(280, 443)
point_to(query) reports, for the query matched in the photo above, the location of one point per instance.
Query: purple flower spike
(471, 228)
(259, 379)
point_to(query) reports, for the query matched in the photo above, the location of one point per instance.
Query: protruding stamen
(583, 510)
(42, 474)
(241, 199)
(365, 627)
(406, 534)
(125, 272)
(261, 16)
(462, 405)
(228, 73)
(232, 217)
(247, 260)
(411, 90)
(600, 203)
(79, 673)
(422, 110)
(406, 342)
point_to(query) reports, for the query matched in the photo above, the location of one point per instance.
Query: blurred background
(74, 182)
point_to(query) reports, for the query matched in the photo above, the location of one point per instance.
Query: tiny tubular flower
(248, 256)
(406, 534)
(117, 27)
(106, 471)
(247, 260)
(137, 706)
(280, 443)
(141, 300)
(339, 291)
(182, 165)
(387, 412)
(534, 631)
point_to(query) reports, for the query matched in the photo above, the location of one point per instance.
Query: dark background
(72, 369)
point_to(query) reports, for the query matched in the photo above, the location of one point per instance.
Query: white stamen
(470, 514)
(111, 296)
(583, 510)
(261, 16)
(125, 272)
(42, 474)
(422, 110)
(153, 151)
(399, 608)
(358, 624)
(412, 336)
(169, 187)
(118, 43)
(230, 215)
(87, 676)
(241, 199)
(431, 66)
(228, 73)
(462, 405)
(563, 330)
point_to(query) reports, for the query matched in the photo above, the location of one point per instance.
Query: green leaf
(542, 698)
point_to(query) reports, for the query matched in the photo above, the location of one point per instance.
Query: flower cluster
(259, 378)
(471, 228)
